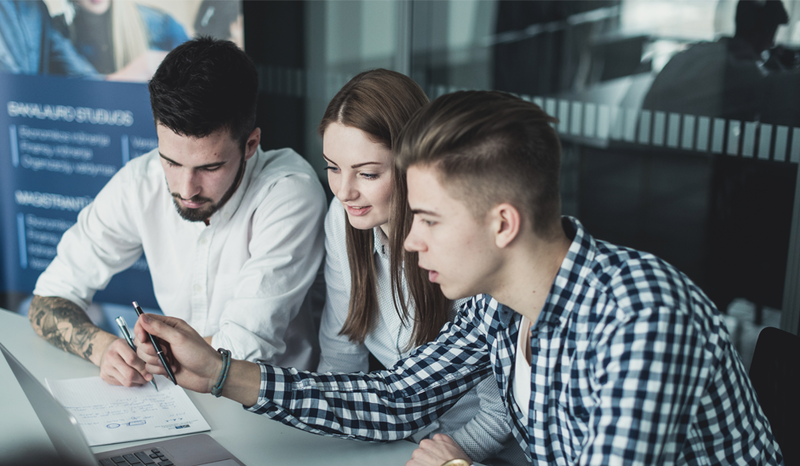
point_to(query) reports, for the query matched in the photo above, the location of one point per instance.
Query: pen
(156, 347)
(123, 328)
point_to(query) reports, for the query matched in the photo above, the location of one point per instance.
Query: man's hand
(120, 365)
(194, 362)
(437, 451)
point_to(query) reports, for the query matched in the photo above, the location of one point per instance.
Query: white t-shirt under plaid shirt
(630, 364)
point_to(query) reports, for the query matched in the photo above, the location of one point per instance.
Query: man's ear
(506, 223)
(252, 143)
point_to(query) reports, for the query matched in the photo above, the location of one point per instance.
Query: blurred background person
(29, 44)
(122, 39)
(222, 19)
(725, 78)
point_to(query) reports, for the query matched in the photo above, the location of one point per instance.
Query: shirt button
(203, 241)
(198, 288)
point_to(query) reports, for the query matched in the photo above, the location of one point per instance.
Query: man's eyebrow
(424, 212)
(168, 159)
(208, 165)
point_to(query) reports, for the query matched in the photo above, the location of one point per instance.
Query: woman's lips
(358, 211)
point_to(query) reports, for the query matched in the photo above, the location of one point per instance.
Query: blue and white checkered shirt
(631, 364)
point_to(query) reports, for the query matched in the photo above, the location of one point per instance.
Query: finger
(116, 372)
(173, 363)
(157, 327)
(132, 359)
(123, 371)
(149, 320)
(421, 456)
(130, 376)
(109, 378)
(156, 368)
(147, 354)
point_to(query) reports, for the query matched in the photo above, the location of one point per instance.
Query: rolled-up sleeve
(103, 241)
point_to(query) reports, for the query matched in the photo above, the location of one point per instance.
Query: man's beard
(203, 213)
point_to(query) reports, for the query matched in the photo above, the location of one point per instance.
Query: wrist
(102, 343)
(244, 382)
(457, 462)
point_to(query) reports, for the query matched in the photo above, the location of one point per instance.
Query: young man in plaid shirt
(603, 354)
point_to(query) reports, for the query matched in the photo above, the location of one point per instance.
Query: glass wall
(680, 128)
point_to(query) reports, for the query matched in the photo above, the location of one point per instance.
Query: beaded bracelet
(223, 375)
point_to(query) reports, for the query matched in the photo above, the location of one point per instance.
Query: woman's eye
(333, 169)
(370, 176)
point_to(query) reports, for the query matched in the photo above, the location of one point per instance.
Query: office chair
(775, 374)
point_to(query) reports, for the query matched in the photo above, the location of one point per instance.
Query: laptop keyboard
(140, 458)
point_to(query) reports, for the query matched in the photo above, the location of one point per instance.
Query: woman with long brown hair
(379, 302)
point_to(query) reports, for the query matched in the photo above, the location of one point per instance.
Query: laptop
(73, 449)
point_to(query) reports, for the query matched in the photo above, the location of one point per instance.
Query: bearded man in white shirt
(233, 238)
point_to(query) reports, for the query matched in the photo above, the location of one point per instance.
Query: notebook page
(114, 414)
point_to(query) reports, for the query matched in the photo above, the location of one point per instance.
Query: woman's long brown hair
(379, 102)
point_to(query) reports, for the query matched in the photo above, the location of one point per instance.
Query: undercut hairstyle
(205, 85)
(488, 148)
(379, 102)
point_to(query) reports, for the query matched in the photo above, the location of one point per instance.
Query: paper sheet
(113, 414)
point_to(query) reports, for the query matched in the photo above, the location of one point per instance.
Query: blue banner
(63, 140)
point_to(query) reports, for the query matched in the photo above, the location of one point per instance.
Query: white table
(255, 440)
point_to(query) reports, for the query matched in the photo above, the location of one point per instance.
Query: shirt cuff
(275, 389)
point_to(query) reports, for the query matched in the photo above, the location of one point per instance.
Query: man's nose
(188, 186)
(413, 243)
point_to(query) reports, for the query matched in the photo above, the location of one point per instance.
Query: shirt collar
(380, 242)
(574, 268)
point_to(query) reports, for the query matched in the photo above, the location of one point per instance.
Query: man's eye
(212, 169)
(427, 223)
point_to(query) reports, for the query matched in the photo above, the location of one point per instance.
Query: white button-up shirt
(243, 279)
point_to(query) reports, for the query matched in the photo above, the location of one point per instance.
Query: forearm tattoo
(64, 324)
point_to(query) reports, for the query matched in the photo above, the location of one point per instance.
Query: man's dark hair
(489, 147)
(205, 85)
(755, 16)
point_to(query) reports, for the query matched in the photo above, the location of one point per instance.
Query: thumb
(153, 325)
(167, 328)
